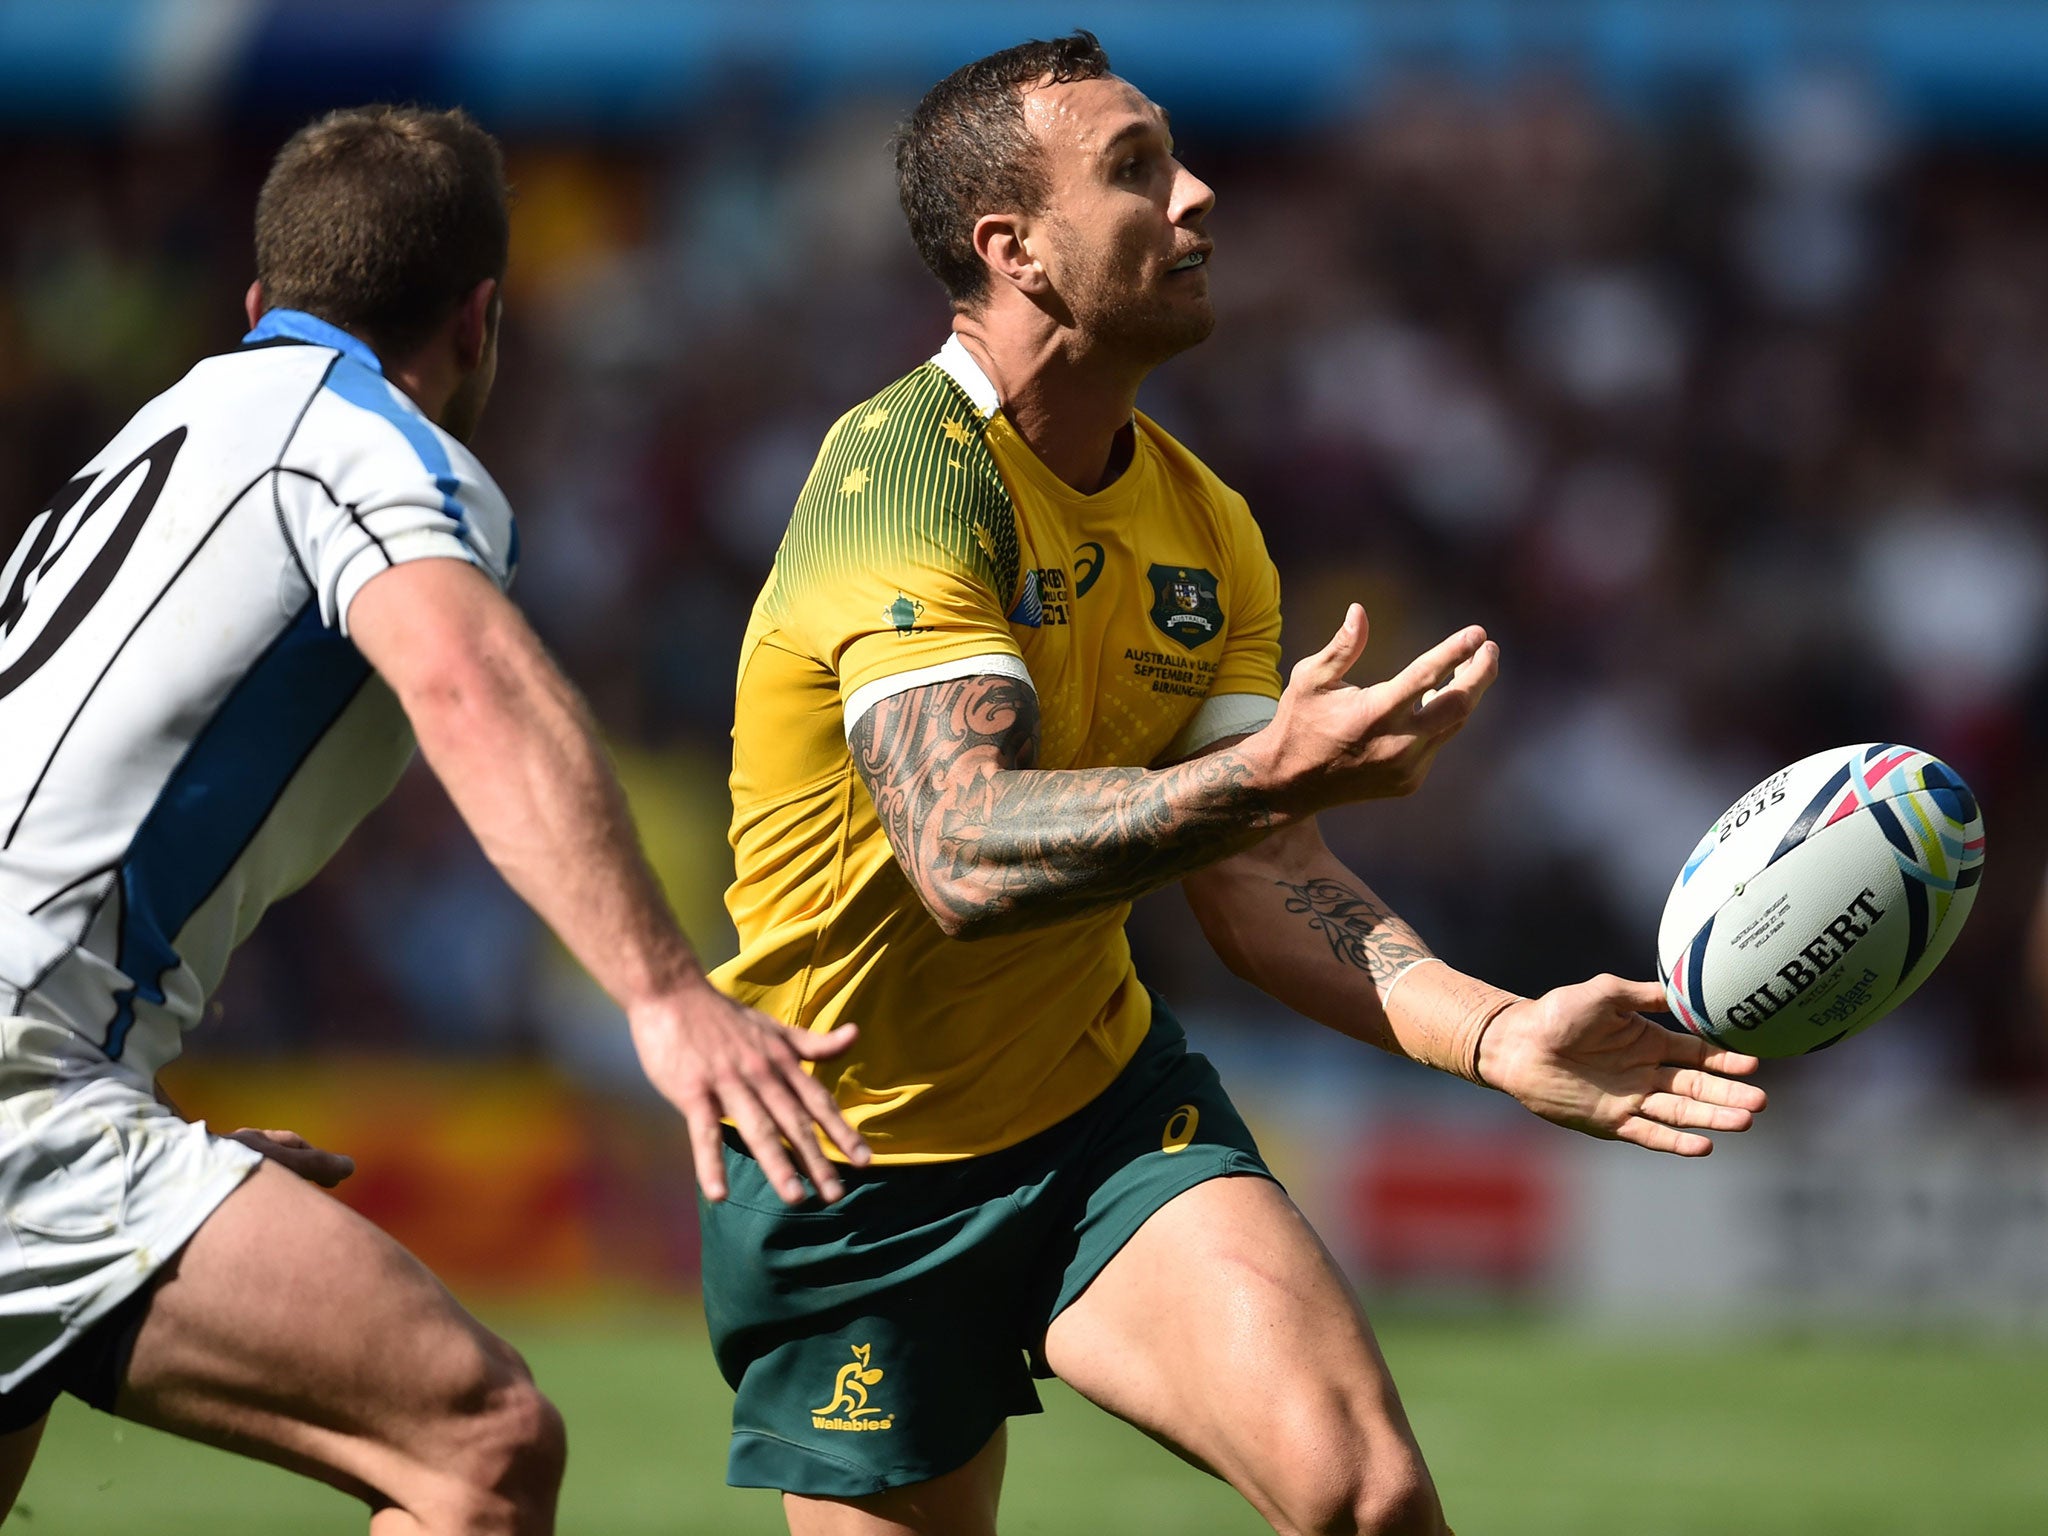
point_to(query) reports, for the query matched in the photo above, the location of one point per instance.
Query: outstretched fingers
(717, 1060)
(1693, 1083)
(1328, 667)
(1636, 997)
(817, 1098)
(1643, 1132)
(779, 1109)
(1675, 1109)
(794, 1120)
(1434, 668)
(1682, 1050)
(816, 1047)
(707, 1142)
(765, 1140)
(1441, 710)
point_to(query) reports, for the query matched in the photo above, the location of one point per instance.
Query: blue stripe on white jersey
(221, 792)
(358, 386)
(190, 734)
(358, 377)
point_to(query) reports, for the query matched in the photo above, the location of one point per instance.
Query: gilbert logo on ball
(1821, 899)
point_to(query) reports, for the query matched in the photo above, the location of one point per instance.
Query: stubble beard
(1143, 327)
(1147, 330)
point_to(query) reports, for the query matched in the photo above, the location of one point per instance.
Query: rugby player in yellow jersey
(1018, 662)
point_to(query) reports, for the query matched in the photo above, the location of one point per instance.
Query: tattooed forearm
(991, 849)
(1361, 931)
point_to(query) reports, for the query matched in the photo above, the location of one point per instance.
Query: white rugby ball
(1821, 899)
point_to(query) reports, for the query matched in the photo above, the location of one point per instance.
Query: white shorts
(101, 1184)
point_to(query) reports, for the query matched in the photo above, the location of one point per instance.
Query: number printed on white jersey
(188, 732)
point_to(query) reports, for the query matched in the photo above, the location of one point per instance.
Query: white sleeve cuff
(1224, 714)
(996, 663)
(390, 552)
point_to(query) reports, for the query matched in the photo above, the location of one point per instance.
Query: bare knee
(1387, 1494)
(1398, 1506)
(530, 1444)
(501, 1450)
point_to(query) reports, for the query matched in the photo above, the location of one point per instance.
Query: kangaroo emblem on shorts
(849, 1408)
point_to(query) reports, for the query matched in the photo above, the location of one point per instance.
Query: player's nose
(1193, 198)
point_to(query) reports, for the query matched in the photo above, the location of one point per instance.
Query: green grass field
(1529, 1431)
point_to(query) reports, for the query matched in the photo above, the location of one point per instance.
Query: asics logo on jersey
(1180, 1129)
(849, 1408)
(1087, 566)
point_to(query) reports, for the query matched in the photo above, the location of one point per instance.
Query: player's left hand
(292, 1151)
(1584, 1057)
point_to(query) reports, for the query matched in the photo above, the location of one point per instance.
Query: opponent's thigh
(958, 1503)
(1225, 1329)
(17, 1455)
(291, 1329)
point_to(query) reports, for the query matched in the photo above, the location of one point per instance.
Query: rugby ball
(1821, 899)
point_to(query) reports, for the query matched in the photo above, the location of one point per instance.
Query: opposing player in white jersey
(217, 643)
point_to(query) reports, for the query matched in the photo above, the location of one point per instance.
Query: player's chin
(1187, 320)
(1186, 290)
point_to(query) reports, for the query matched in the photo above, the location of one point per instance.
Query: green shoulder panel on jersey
(904, 477)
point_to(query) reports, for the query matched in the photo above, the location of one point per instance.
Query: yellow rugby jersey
(929, 544)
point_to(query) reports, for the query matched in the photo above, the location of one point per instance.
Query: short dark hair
(967, 151)
(379, 219)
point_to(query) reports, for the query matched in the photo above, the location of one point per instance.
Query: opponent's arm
(1290, 918)
(288, 1149)
(514, 745)
(993, 844)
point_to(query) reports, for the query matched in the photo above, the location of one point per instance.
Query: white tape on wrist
(1387, 997)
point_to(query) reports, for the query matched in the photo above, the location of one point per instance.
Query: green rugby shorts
(881, 1340)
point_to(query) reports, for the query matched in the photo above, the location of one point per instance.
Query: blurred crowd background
(1717, 392)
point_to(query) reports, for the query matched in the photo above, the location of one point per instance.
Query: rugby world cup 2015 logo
(1184, 605)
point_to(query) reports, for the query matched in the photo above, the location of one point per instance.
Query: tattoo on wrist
(989, 847)
(1361, 931)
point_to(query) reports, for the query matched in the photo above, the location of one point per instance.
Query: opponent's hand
(713, 1059)
(1582, 1056)
(1332, 742)
(292, 1151)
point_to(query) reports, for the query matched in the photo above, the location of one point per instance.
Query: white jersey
(186, 732)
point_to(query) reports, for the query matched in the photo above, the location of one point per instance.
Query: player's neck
(1071, 405)
(429, 380)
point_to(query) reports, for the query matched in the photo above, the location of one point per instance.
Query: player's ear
(475, 323)
(252, 303)
(1000, 241)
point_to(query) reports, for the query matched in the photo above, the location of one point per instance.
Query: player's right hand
(1332, 742)
(715, 1060)
(1585, 1057)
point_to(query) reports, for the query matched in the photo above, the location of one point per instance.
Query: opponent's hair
(379, 219)
(967, 151)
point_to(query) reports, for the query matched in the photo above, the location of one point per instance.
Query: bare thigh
(292, 1330)
(17, 1455)
(1225, 1330)
(960, 1503)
